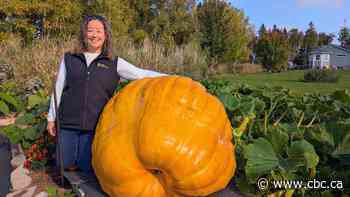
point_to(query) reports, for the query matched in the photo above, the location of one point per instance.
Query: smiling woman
(95, 36)
(87, 79)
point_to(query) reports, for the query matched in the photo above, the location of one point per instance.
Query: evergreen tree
(310, 42)
(262, 31)
(311, 37)
(275, 28)
(285, 34)
(344, 37)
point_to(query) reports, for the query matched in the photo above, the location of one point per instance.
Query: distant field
(292, 81)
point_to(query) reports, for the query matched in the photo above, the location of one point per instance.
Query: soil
(48, 178)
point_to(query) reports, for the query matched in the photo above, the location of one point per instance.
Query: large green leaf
(259, 106)
(27, 118)
(261, 159)
(230, 102)
(339, 131)
(304, 153)
(10, 99)
(278, 139)
(30, 134)
(4, 108)
(247, 106)
(35, 100)
(321, 135)
(14, 133)
(343, 148)
(342, 95)
(293, 130)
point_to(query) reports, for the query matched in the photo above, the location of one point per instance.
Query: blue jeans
(76, 149)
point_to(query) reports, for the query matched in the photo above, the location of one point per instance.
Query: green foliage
(272, 50)
(182, 21)
(9, 100)
(29, 131)
(117, 12)
(310, 38)
(225, 32)
(344, 37)
(31, 123)
(325, 39)
(30, 18)
(321, 75)
(295, 41)
(261, 159)
(139, 36)
(53, 192)
(289, 137)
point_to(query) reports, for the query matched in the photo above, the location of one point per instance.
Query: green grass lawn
(291, 80)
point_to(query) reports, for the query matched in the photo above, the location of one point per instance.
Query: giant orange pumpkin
(163, 137)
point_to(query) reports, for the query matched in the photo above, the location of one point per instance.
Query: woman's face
(95, 36)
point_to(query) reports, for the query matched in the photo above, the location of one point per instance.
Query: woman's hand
(51, 128)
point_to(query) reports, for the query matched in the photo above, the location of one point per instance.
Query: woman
(86, 80)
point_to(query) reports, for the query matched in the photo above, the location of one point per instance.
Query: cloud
(318, 3)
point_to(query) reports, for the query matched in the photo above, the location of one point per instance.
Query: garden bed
(47, 180)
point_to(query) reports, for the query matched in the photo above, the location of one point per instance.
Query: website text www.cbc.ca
(264, 184)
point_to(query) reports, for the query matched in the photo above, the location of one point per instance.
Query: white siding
(325, 61)
(320, 60)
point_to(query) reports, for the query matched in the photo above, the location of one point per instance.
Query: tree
(262, 31)
(225, 31)
(117, 12)
(344, 37)
(295, 39)
(310, 38)
(310, 42)
(181, 19)
(272, 50)
(168, 21)
(33, 19)
(325, 39)
(295, 42)
(285, 34)
(142, 13)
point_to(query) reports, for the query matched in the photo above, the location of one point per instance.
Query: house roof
(331, 48)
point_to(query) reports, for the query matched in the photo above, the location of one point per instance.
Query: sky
(327, 15)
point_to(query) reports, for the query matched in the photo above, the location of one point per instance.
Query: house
(330, 56)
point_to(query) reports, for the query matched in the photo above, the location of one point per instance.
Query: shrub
(321, 75)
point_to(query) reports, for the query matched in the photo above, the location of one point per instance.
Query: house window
(326, 57)
(340, 55)
(318, 57)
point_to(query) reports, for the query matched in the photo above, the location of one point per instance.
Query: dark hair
(82, 41)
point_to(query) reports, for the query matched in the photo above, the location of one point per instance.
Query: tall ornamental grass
(40, 60)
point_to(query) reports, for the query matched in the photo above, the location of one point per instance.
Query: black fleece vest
(86, 90)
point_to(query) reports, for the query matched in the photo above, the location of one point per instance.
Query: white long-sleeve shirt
(125, 70)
